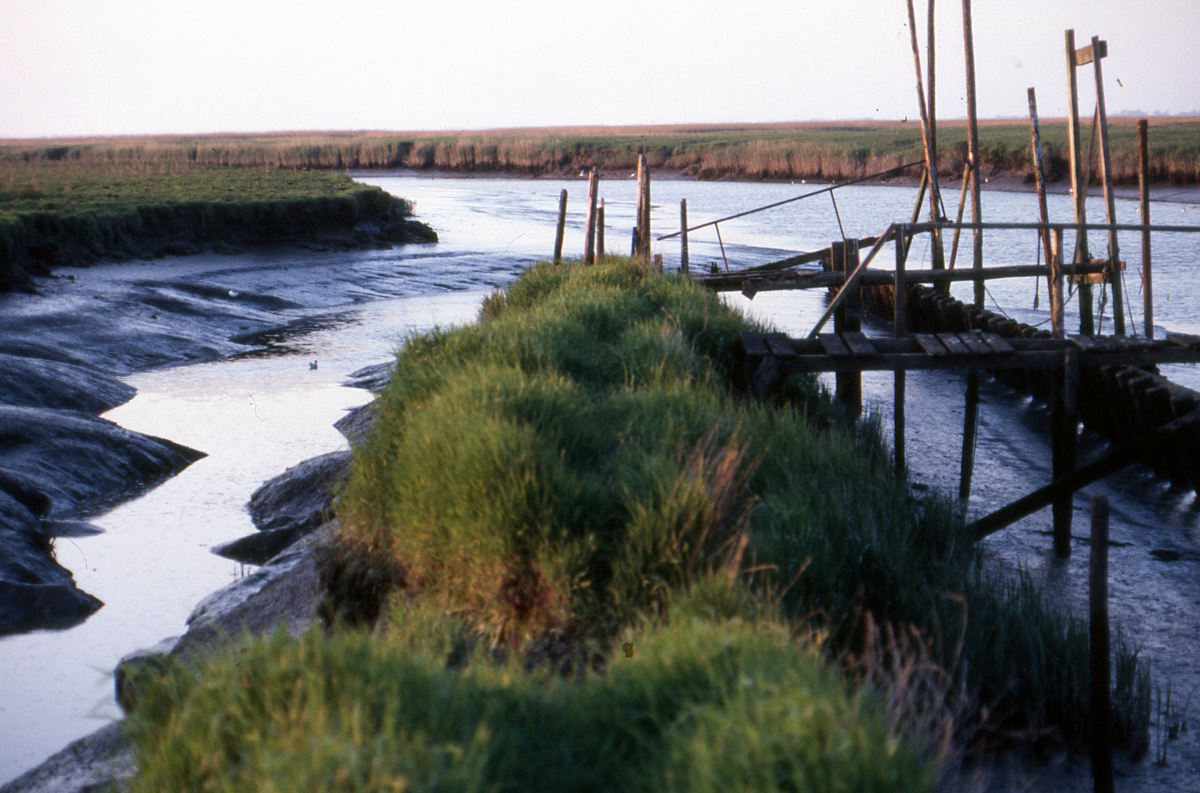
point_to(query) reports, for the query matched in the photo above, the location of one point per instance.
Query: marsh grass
(588, 563)
(812, 150)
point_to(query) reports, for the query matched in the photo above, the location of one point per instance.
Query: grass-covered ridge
(71, 212)
(802, 150)
(571, 481)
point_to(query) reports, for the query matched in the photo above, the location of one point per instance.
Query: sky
(109, 67)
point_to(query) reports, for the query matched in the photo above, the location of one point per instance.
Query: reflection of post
(600, 230)
(1101, 704)
(683, 242)
(1087, 323)
(1064, 428)
(1144, 195)
(900, 328)
(562, 225)
(970, 427)
(589, 232)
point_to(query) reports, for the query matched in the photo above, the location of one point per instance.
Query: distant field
(813, 150)
(73, 210)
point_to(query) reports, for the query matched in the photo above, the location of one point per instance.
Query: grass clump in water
(571, 480)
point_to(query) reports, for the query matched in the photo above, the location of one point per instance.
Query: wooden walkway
(767, 358)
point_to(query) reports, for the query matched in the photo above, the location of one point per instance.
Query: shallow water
(258, 413)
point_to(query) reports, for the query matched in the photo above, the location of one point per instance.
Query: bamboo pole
(928, 142)
(1110, 202)
(562, 226)
(589, 232)
(683, 240)
(1099, 658)
(1144, 195)
(1053, 283)
(973, 149)
(1087, 324)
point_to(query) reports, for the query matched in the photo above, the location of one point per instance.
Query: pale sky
(81, 67)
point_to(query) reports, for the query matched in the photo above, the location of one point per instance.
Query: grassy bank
(587, 563)
(814, 150)
(55, 212)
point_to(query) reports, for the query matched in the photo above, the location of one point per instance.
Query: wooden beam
(1144, 197)
(1087, 323)
(1110, 199)
(1109, 464)
(973, 148)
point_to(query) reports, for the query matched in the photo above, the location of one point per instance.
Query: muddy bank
(37, 244)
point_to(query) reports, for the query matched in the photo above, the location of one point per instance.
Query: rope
(838, 215)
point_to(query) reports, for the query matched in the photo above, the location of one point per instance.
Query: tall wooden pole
(928, 141)
(641, 209)
(589, 233)
(683, 240)
(1087, 325)
(900, 328)
(973, 148)
(644, 221)
(1099, 49)
(1053, 283)
(848, 317)
(1144, 195)
(562, 226)
(1064, 428)
(1099, 658)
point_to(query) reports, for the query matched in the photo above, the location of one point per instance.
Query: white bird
(232, 293)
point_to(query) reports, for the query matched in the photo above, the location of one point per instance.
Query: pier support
(899, 329)
(1100, 660)
(970, 428)
(848, 317)
(562, 226)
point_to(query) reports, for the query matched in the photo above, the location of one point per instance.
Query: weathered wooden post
(1087, 323)
(973, 150)
(1144, 195)
(589, 232)
(683, 242)
(1053, 282)
(1095, 53)
(848, 318)
(899, 329)
(562, 226)
(1101, 705)
(644, 220)
(1064, 423)
(928, 140)
(633, 247)
(1057, 321)
(600, 230)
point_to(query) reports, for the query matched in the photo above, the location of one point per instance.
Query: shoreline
(1004, 182)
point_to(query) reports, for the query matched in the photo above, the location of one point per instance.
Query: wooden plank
(953, 344)
(754, 345)
(1085, 55)
(1085, 343)
(780, 346)
(930, 344)
(859, 345)
(1183, 339)
(834, 345)
(973, 341)
(996, 342)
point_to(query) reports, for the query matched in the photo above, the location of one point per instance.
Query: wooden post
(848, 318)
(973, 149)
(1057, 323)
(970, 427)
(1087, 323)
(633, 248)
(1110, 200)
(683, 242)
(929, 143)
(600, 230)
(643, 208)
(589, 232)
(962, 203)
(1101, 709)
(562, 226)
(900, 328)
(1053, 283)
(1144, 195)
(641, 177)
(1064, 424)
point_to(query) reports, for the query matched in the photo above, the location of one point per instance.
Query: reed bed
(831, 151)
(572, 557)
